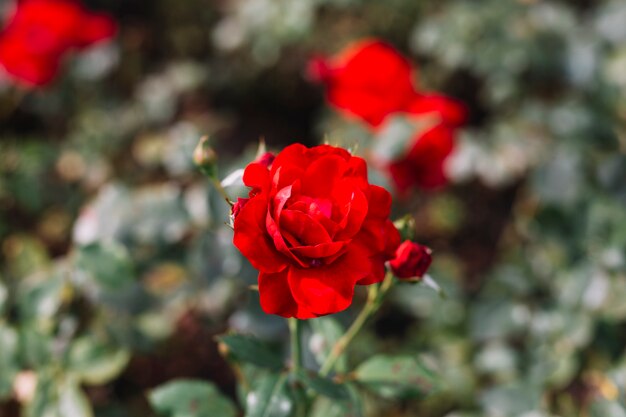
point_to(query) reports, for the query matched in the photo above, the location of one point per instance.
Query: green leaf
(248, 349)
(270, 398)
(109, 265)
(324, 386)
(58, 397)
(39, 298)
(326, 333)
(4, 295)
(327, 407)
(72, 400)
(8, 359)
(191, 398)
(605, 408)
(96, 363)
(395, 376)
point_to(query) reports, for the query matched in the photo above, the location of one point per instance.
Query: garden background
(117, 271)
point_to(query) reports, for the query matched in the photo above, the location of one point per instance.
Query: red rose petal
(252, 239)
(275, 296)
(329, 289)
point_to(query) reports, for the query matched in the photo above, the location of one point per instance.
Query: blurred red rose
(372, 81)
(314, 227)
(423, 164)
(40, 33)
(411, 260)
(369, 79)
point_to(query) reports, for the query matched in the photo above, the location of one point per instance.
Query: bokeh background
(117, 270)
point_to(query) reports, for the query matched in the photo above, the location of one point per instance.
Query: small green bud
(205, 158)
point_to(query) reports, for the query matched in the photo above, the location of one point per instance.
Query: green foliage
(396, 376)
(109, 236)
(190, 398)
(270, 397)
(326, 332)
(248, 349)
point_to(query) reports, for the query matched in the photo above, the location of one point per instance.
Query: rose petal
(306, 229)
(379, 202)
(252, 239)
(320, 251)
(275, 296)
(329, 289)
(330, 169)
(257, 177)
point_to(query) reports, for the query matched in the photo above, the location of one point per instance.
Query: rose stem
(374, 298)
(296, 344)
(218, 186)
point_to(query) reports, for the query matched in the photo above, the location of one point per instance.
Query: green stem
(374, 301)
(295, 330)
(218, 186)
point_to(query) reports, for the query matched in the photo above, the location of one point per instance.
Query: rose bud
(205, 157)
(412, 260)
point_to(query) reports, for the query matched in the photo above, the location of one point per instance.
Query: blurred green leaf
(9, 365)
(96, 363)
(396, 376)
(248, 349)
(72, 400)
(58, 396)
(606, 408)
(329, 407)
(108, 264)
(270, 398)
(4, 295)
(191, 398)
(324, 386)
(326, 333)
(39, 298)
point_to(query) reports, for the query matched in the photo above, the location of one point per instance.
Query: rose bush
(40, 33)
(314, 227)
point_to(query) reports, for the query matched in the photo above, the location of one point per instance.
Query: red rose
(41, 32)
(423, 164)
(412, 260)
(372, 80)
(369, 79)
(314, 227)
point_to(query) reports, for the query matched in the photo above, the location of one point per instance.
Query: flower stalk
(375, 297)
(295, 330)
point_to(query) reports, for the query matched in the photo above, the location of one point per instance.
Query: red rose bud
(40, 33)
(412, 260)
(315, 228)
(205, 158)
(266, 159)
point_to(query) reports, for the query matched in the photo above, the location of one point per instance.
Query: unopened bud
(205, 158)
(412, 260)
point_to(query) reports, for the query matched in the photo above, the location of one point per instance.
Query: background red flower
(40, 33)
(314, 228)
(369, 79)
